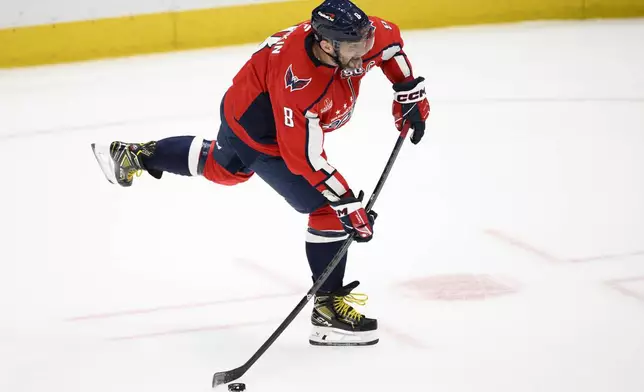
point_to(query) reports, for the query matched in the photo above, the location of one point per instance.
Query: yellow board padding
(613, 8)
(417, 14)
(150, 33)
(67, 42)
(239, 24)
(252, 23)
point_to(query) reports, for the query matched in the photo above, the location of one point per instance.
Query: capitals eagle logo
(293, 82)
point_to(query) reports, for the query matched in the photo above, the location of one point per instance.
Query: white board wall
(20, 13)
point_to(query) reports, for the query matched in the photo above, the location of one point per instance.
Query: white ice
(508, 255)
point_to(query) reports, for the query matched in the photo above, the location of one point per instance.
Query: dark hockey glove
(411, 108)
(354, 218)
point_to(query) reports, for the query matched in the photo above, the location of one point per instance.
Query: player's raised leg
(181, 155)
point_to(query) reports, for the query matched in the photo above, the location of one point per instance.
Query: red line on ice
(609, 256)
(190, 330)
(134, 312)
(617, 284)
(523, 245)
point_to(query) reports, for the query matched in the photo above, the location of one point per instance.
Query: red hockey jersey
(284, 99)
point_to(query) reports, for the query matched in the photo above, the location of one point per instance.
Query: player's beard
(351, 64)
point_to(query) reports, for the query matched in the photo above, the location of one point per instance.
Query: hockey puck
(237, 387)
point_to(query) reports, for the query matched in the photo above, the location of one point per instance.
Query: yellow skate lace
(137, 172)
(131, 173)
(343, 308)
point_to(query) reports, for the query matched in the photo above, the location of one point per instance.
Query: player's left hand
(410, 107)
(355, 220)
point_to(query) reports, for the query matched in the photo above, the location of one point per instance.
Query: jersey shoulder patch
(294, 77)
(388, 39)
(293, 82)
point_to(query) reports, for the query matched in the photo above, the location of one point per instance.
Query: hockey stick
(234, 374)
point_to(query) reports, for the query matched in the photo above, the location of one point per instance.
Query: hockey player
(300, 84)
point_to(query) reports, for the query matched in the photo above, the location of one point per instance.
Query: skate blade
(102, 154)
(326, 336)
(343, 344)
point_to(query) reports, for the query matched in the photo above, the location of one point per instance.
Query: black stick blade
(226, 377)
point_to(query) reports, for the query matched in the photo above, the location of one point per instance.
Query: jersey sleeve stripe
(403, 65)
(315, 137)
(395, 45)
(334, 185)
(390, 52)
(314, 144)
(328, 175)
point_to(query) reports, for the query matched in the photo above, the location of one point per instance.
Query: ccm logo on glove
(414, 96)
(410, 107)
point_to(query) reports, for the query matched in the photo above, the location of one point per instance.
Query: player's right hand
(411, 107)
(355, 220)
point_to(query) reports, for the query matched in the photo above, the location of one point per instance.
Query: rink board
(180, 30)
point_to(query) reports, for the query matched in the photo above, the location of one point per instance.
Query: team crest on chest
(293, 82)
(339, 117)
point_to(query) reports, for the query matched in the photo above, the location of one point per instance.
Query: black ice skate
(336, 323)
(120, 161)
